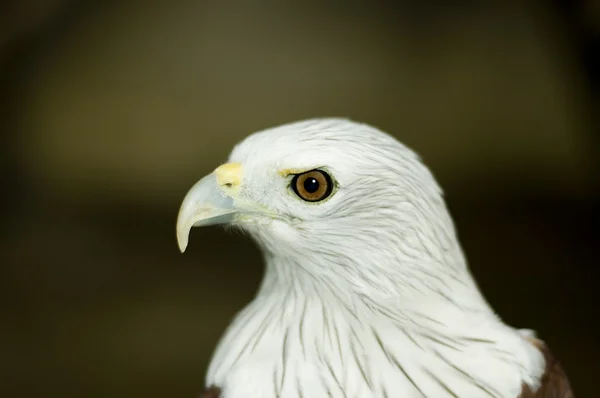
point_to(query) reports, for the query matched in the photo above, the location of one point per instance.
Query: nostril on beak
(229, 176)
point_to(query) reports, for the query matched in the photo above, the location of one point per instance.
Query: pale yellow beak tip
(182, 243)
(182, 237)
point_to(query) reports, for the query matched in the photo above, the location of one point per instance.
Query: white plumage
(366, 293)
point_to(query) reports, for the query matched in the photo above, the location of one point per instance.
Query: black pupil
(311, 185)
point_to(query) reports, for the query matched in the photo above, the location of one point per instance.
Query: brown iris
(312, 186)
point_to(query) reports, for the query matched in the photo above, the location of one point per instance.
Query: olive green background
(110, 111)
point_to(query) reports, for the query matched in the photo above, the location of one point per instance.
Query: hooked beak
(212, 200)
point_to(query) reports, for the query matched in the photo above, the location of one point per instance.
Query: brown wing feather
(211, 392)
(555, 383)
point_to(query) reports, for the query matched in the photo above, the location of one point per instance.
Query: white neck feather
(304, 336)
(366, 294)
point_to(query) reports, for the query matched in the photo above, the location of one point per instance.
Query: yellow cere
(229, 174)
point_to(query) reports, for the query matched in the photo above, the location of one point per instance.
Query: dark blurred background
(110, 111)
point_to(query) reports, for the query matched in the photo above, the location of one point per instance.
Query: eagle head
(339, 197)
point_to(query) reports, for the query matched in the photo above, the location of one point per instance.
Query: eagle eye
(312, 186)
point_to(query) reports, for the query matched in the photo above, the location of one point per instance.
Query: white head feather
(366, 293)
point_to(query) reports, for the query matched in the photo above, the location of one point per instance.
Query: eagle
(366, 290)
